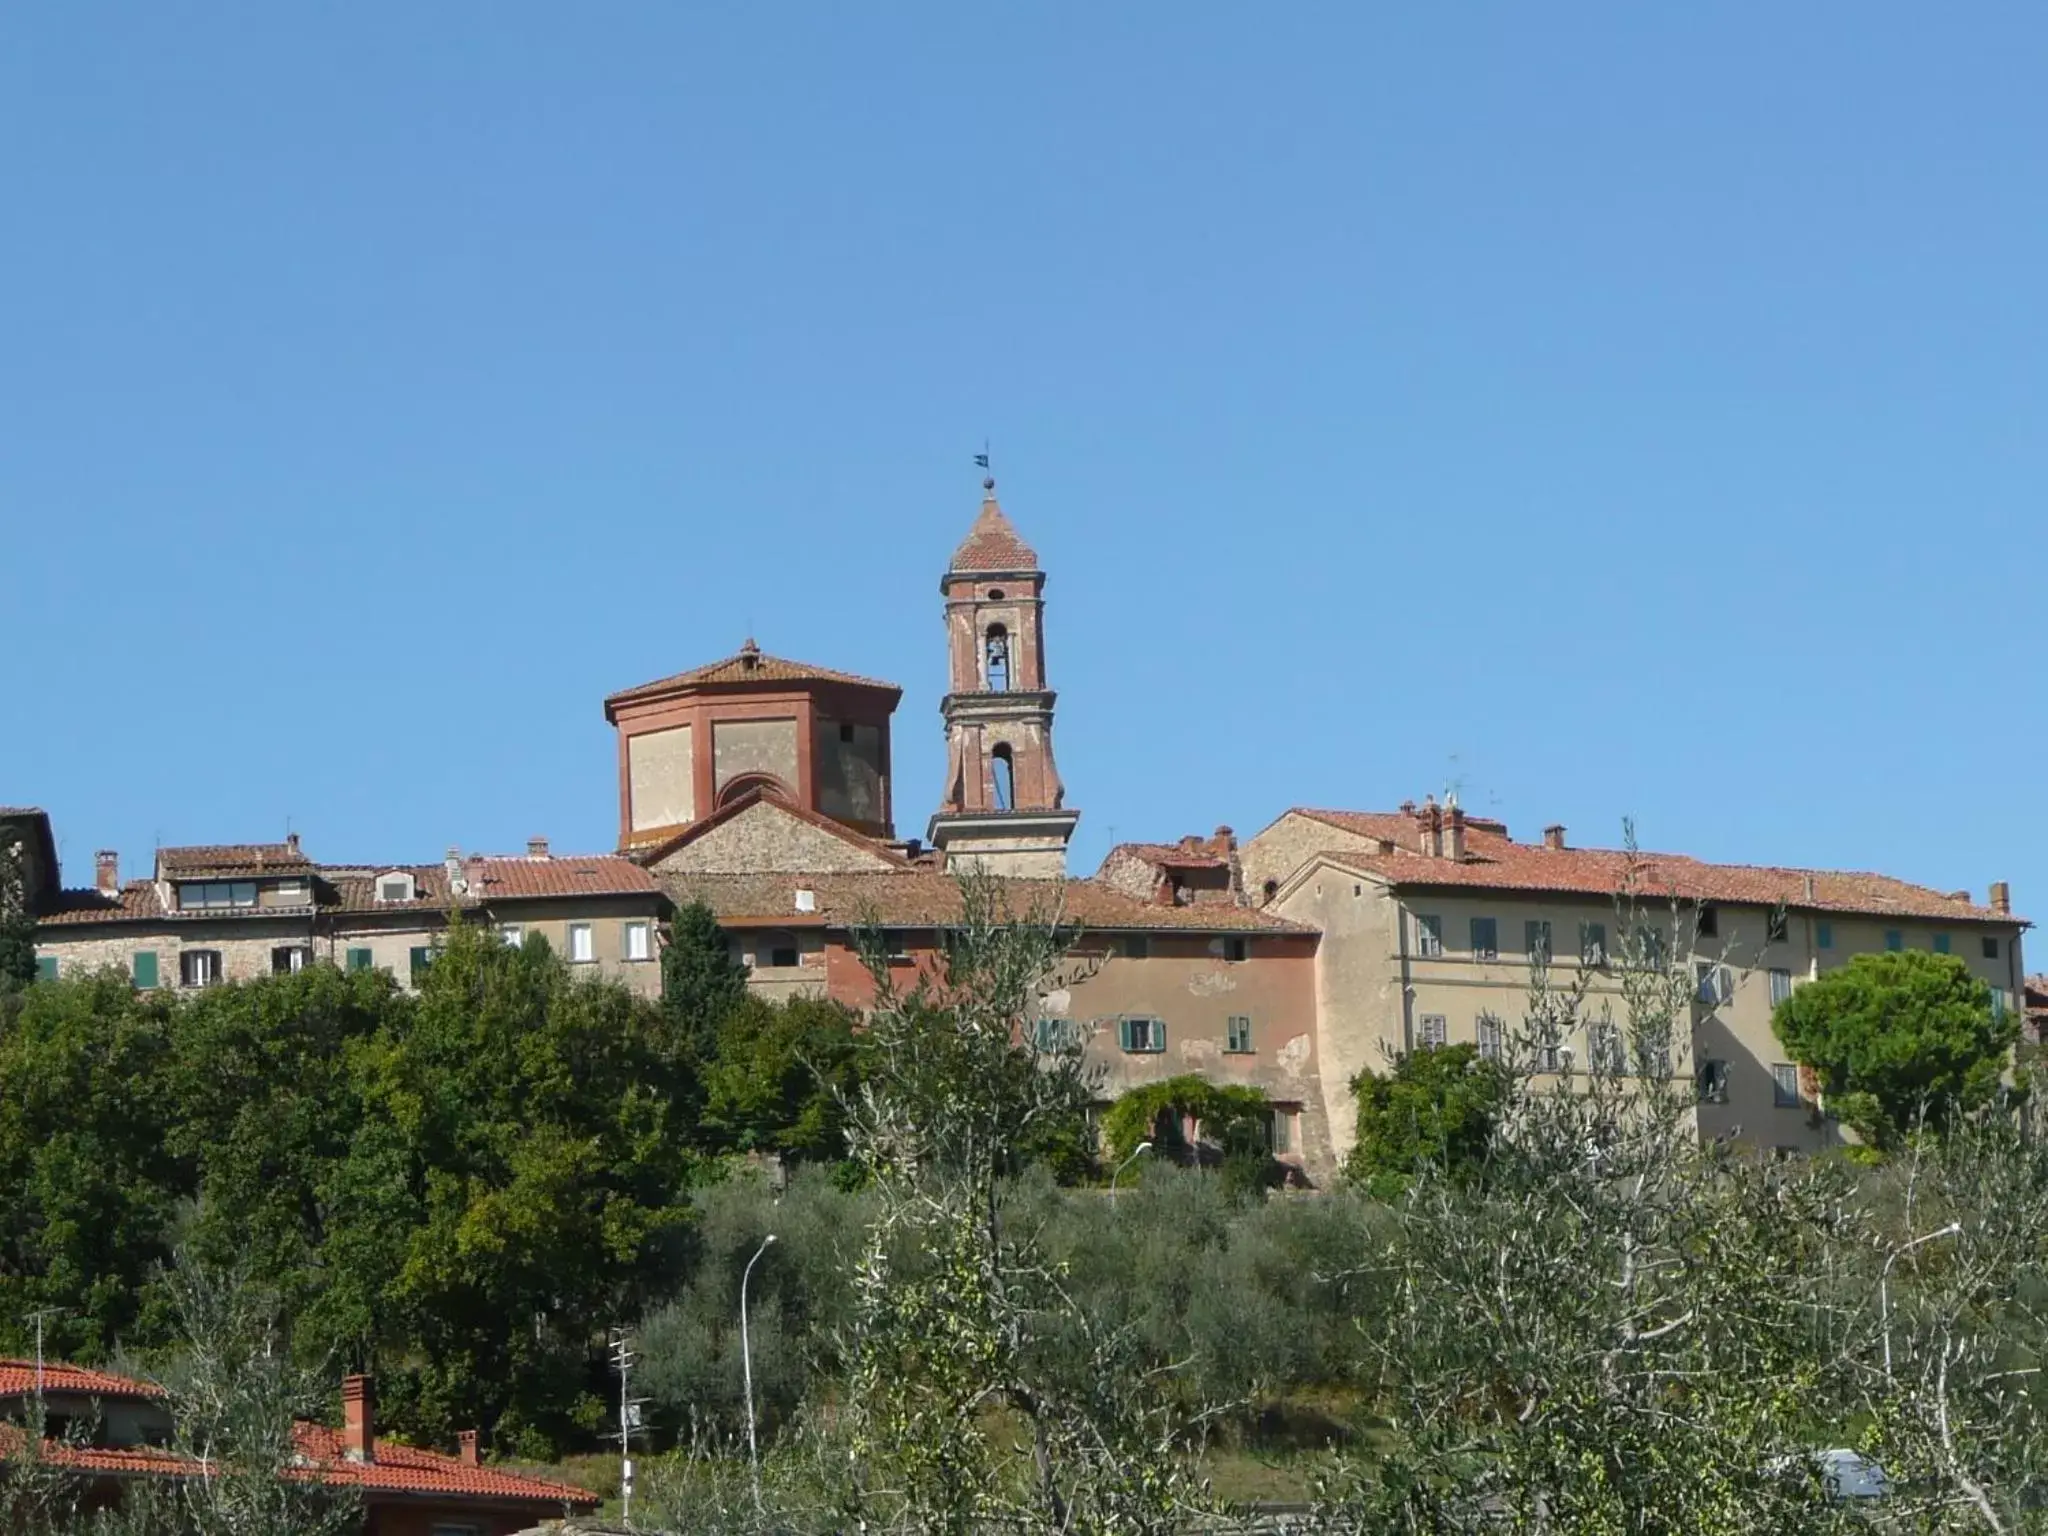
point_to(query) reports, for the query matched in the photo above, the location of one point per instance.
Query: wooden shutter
(1159, 1034)
(145, 968)
(1123, 1033)
(359, 959)
(422, 957)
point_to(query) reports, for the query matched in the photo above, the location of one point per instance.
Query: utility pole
(624, 1358)
(39, 1315)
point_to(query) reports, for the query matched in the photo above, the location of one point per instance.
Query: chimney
(2001, 898)
(467, 1441)
(107, 864)
(451, 867)
(1454, 818)
(291, 841)
(1224, 843)
(1429, 826)
(358, 1418)
(536, 847)
(1553, 835)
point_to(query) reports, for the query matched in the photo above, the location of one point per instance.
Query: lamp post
(1884, 1286)
(1142, 1149)
(747, 1368)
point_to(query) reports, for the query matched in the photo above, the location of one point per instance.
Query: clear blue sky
(1612, 410)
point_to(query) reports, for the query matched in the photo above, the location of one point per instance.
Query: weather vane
(981, 463)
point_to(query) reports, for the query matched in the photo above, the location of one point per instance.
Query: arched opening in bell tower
(1003, 778)
(998, 652)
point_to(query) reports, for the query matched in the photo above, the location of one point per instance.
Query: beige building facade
(1435, 926)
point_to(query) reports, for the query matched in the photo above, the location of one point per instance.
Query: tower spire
(1004, 807)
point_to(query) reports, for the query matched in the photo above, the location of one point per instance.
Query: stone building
(1432, 922)
(228, 913)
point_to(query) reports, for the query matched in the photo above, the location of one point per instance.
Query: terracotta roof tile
(1495, 862)
(748, 665)
(918, 898)
(138, 900)
(510, 878)
(228, 859)
(992, 544)
(18, 1377)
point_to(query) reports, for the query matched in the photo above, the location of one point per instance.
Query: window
(1777, 926)
(1002, 776)
(1998, 1004)
(420, 959)
(145, 968)
(1142, 1036)
(1054, 1034)
(846, 733)
(1650, 948)
(1592, 943)
(1280, 1129)
(1491, 1035)
(287, 959)
(1714, 984)
(1429, 935)
(1781, 986)
(639, 942)
(394, 887)
(1894, 940)
(1235, 950)
(360, 960)
(1990, 949)
(1137, 946)
(1713, 1082)
(1941, 943)
(1536, 940)
(778, 950)
(1238, 1037)
(1604, 1048)
(512, 934)
(1823, 935)
(216, 895)
(582, 950)
(1785, 1085)
(199, 967)
(46, 967)
(1431, 1030)
(291, 893)
(998, 651)
(1709, 921)
(1485, 938)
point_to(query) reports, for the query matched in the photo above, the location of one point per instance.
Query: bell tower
(1004, 807)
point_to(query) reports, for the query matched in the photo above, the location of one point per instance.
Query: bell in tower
(1004, 808)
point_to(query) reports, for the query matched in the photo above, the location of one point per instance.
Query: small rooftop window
(397, 886)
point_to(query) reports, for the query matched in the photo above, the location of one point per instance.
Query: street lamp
(1143, 1148)
(747, 1368)
(1884, 1286)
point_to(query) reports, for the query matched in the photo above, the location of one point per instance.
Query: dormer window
(215, 895)
(397, 886)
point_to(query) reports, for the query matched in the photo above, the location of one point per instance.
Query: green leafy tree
(781, 1077)
(700, 981)
(1437, 1108)
(1899, 1039)
(1230, 1117)
(519, 1181)
(91, 1187)
(17, 923)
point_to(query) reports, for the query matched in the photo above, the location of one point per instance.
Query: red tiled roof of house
(138, 900)
(18, 1379)
(1495, 862)
(231, 859)
(920, 898)
(746, 666)
(393, 1468)
(992, 544)
(402, 1469)
(509, 878)
(1173, 855)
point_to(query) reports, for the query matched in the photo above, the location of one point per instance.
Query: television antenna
(624, 1358)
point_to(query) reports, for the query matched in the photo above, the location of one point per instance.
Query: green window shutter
(422, 957)
(1159, 1034)
(46, 967)
(1123, 1033)
(359, 959)
(145, 968)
